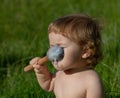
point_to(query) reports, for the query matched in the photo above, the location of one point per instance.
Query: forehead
(57, 38)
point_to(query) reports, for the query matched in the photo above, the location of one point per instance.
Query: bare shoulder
(94, 83)
(92, 75)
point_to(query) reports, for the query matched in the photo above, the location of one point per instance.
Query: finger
(34, 60)
(39, 69)
(36, 66)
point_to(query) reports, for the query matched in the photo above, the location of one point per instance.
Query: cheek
(71, 56)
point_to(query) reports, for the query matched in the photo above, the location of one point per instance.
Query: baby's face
(72, 52)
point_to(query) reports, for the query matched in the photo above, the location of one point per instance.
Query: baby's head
(82, 30)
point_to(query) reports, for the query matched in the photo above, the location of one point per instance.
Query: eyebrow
(59, 44)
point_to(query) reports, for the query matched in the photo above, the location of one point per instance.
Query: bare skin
(73, 79)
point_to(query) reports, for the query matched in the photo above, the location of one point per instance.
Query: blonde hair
(83, 30)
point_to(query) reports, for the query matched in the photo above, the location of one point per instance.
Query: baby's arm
(44, 77)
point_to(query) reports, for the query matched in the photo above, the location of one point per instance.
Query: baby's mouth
(55, 62)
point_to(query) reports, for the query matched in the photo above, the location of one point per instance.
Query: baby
(79, 36)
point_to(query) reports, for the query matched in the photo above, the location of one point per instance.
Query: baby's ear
(87, 53)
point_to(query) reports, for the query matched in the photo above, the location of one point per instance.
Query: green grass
(23, 35)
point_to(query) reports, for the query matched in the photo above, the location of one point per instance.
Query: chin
(59, 67)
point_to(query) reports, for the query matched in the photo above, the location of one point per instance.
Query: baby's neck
(76, 70)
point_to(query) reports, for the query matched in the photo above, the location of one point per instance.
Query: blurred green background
(23, 35)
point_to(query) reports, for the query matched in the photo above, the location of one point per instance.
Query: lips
(55, 63)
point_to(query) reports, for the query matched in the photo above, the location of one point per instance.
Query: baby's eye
(51, 46)
(62, 47)
(58, 45)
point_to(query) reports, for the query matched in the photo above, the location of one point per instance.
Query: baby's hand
(37, 67)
